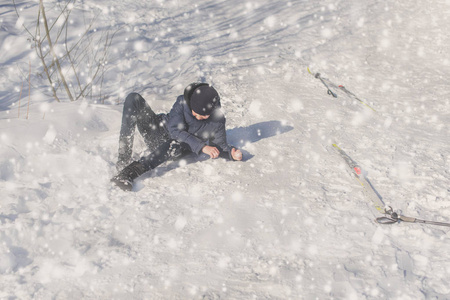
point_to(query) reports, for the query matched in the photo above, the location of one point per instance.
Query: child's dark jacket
(185, 128)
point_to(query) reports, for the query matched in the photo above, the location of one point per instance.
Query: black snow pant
(136, 112)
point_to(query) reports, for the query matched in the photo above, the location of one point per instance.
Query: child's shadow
(238, 137)
(241, 136)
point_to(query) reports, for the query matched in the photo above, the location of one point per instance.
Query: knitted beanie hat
(204, 99)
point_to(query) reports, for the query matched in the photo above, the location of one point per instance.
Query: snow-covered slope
(289, 222)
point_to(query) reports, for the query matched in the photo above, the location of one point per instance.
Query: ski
(390, 216)
(365, 183)
(329, 91)
(355, 97)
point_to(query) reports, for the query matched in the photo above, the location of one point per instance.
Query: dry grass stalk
(20, 97)
(29, 90)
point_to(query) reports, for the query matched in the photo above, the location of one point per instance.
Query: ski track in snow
(289, 222)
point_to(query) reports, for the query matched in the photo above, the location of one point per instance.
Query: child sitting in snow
(194, 124)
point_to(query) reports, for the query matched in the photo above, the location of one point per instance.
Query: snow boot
(124, 179)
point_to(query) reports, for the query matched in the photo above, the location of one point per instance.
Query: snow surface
(289, 222)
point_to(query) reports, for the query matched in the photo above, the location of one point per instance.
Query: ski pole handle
(386, 220)
(332, 94)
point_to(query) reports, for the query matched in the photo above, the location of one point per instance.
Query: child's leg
(154, 135)
(136, 111)
(167, 150)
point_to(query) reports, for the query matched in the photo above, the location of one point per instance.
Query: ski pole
(317, 75)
